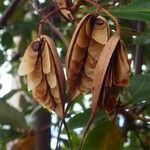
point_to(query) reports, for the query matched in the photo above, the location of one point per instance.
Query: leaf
(7, 40)
(9, 134)
(143, 39)
(11, 116)
(75, 140)
(139, 88)
(81, 119)
(2, 58)
(104, 136)
(139, 9)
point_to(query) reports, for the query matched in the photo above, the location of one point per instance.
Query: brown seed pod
(45, 75)
(111, 73)
(62, 4)
(88, 41)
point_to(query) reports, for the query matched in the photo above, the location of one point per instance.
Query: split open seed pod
(110, 75)
(45, 75)
(62, 4)
(88, 41)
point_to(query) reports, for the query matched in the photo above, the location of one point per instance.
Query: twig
(8, 12)
(40, 10)
(139, 50)
(132, 115)
(140, 140)
(60, 126)
(142, 108)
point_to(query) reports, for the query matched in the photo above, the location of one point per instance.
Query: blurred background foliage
(19, 113)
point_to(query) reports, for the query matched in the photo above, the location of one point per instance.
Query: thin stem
(42, 22)
(42, 13)
(132, 115)
(8, 12)
(139, 50)
(67, 130)
(140, 140)
(60, 127)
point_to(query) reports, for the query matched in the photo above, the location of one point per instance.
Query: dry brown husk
(88, 41)
(65, 12)
(110, 75)
(45, 75)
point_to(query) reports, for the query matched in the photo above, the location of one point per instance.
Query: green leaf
(9, 135)
(7, 40)
(143, 39)
(136, 10)
(105, 136)
(8, 95)
(75, 140)
(2, 58)
(11, 116)
(81, 119)
(139, 88)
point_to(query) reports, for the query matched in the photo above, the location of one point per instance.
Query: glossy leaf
(11, 116)
(81, 119)
(9, 135)
(105, 136)
(139, 88)
(139, 9)
(7, 40)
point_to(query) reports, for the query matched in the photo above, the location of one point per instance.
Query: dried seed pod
(45, 75)
(62, 4)
(112, 72)
(110, 75)
(88, 41)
